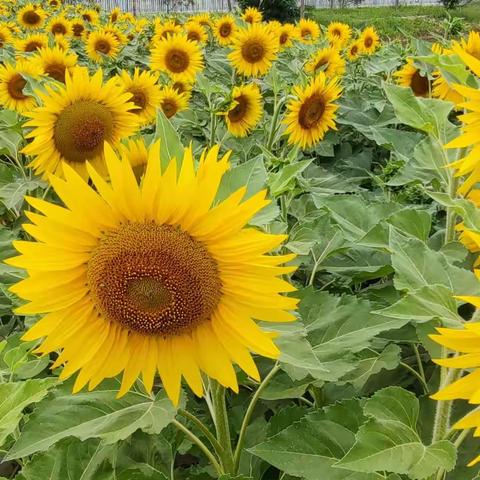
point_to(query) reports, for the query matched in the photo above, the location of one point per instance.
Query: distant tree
(281, 10)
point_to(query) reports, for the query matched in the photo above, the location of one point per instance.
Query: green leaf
(170, 144)
(284, 180)
(96, 414)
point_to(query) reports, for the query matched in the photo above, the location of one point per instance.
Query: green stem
(274, 125)
(201, 445)
(420, 378)
(213, 128)
(248, 415)
(421, 371)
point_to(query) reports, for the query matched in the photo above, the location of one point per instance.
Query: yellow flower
(469, 238)
(101, 45)
(59, 26)
(308, 30)
(172, 101)
(78, 28)
(196, 32)
(254, 50)
(145, 91)
(116, 32)
(312, 113)
(327, 60)
(245, 110)
(5, 36)
(252, 15)
(75, 120)
(339, 34)
(12, 83)
(90, 16)
(181, 58)
(203, 19)
(370, 40)
(114, 14)
(224, 29)
(410, 76)
(164, 30)
(152, 278)
(31, 17)
(31, 43)
(354, 50)
(136, 152)
(55, 62)
(287, 33)
(471, 45)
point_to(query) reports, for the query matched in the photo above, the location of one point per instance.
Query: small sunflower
(31, 43)
(203, 19)
(312, 113)
(181, 58)
(370, 40)
(354, 50)
(172, 102)
(90, 16)
(245, 110)
(182, 87)
(308, 30)
(5, 36)
(252, 15)
(196, 32)
(164, 30)
(116, 32)
(101, 45)
(114, 15)
(62, 43)
(31, 17)
(328, 60)
(224, 29)
(12, 84)
(145, 91)
(411, 76)
(339, 34)
(286, 34)
(55, 62)
(136, 152)
(78, 28)
(254, 50)
(152, 277)
(75, 120)
(59, 26)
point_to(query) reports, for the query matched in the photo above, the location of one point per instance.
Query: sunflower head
(203, 19)
(312, 113)
(172, 101)
(59, 26)
(90, 16)
(31, 16)
(78, 28)
(354, 50)
(196, 32)
(31, 43)
(252, 15)
(327, 60)
(444, 90)
(286, 34)
(224, 29)
(135, 151)
(370, 40)
(5, 36)
(308, 30)
(55, 62)
(165, 29)
(411, 76)
(339, 33)
(114, 15)
(101, 45)
(245, 110)
(254, 50)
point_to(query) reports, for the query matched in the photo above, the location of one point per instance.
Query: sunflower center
(354, 50)
(337, 33)
(81, 129)
(114, 17)
(56, 71)
(15, 87)
(179, 87)
(169, 107)
(225, 30)
(153, 279)
(305, 33)
(102, 46)
(59, 29)
(253, 51)
(78, 29)
(193, 35)
(237, 113)
(283, 38)
(139, 99)
(87, 17)
(420, 84)
(311, 111)
(368, 42)
(177, 61)
(32, 46)
(2, 40)
(31, 17)
(321, 63)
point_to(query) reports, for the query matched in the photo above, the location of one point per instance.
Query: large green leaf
(170, 144)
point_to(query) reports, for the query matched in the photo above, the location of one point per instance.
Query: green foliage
(281, 10)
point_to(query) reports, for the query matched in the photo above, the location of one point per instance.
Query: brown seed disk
(31, 18)
(15, 87)
(311, 111)
(56, 71)
(420, 84)
(237, 113)
(177, 61)
(225, 30)
(169, 107)
(253, 51)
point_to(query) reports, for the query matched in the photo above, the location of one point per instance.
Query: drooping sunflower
(224, 29)
(136, 151)
(370, 40)
(31, 17)
(339, 34)
(328, 60)
(254, 50)
(287, 33)
(172, 102)
(181, 58)
(90, 16)
(78, 28)
(5, 36)
(31, 43)
(101, 45)
(245, 110)
(55, 62)
(12, 84)
(354, 50)
(59, 26)
(152, 277)
(252, 15)
(75, 120)
(145, 91)
(196, 32)
(308, 30)
(312, 113)
(411, 76)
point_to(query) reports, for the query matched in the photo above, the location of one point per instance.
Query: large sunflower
(153, 277)
(181, 58)
(411, 76)
(370, 40)
(74, 121)
(145, 91)
(312, 113)
(224, 29)
(254, 50)
(244, 111)
(12, 84)
(101, 45)
(31, 17)
(59, 26)
(339, 33)
(252, 15)
(31, 43)
(172, 101)
(308, 30)
(55, 62)
(328, 60)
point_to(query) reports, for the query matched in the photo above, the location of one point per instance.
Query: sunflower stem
(274, 125)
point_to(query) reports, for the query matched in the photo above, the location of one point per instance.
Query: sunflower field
(236, 249)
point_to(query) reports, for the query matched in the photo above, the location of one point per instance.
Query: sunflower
(181, 58)
(54, 3)
(145, 91)
(182, 87)
(152, 277)
(252, 15)
(12, 26)
(74, 121)
(308, 30)
(172, 101)
(90, 16)
(328, 60)
(354, 50)
(78, 28)
(136, 152)
(31, 17)
(5, 36)
(370, 40)
(12, 83)
(196, 32)
(203, 19)
(116, 32)
(339, 33)
(114, 15)
(254, 50)
(101, 45)
(410, 76)
(312, 113)
(471, 45)
(244, 111)
(469, 238)
(31, 43)
(164, 30)
(55, 62)
(224, 29)
(286, 34)
(62, 43)
(59, 26)
(442, 89)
